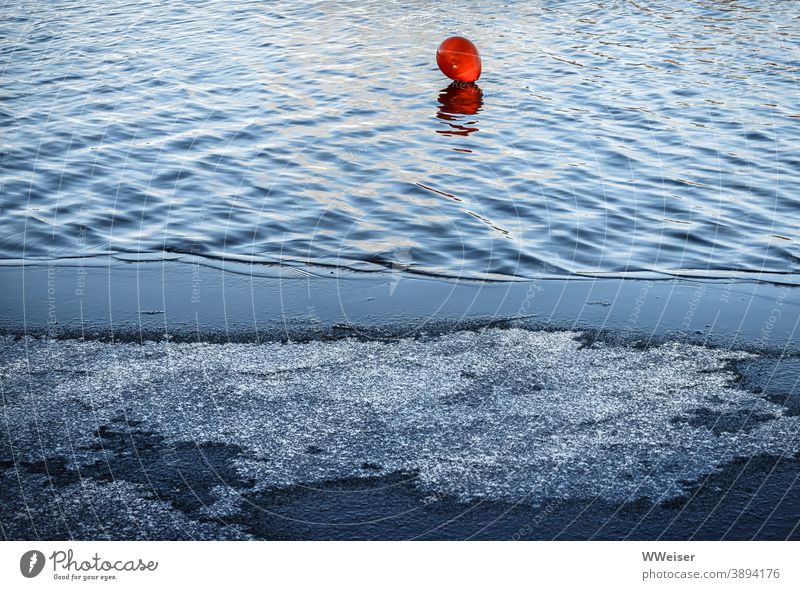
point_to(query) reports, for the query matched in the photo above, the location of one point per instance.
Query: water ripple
(601, 140)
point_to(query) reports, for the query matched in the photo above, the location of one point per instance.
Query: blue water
(603, 138)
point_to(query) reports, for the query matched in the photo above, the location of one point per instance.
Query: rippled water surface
(609, 137)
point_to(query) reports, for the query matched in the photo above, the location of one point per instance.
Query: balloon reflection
(456, 100)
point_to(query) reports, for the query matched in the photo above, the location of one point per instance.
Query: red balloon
(458, 59)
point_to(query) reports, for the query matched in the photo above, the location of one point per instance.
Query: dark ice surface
(483, 433)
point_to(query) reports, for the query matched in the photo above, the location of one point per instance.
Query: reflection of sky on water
(609, 139)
